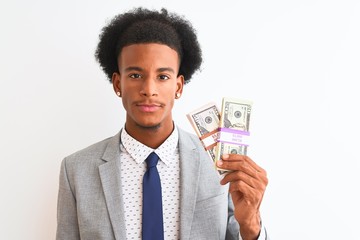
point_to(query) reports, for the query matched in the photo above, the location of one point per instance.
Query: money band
(233, 136)
(209, 140)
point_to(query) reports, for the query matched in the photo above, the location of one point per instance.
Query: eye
(164, 77)
(135, 75)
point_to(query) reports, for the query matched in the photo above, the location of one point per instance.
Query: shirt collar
(139, 152)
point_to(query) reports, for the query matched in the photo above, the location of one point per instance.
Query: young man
(148, 56)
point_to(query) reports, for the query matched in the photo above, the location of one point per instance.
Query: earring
(118, 93)
(177, 95)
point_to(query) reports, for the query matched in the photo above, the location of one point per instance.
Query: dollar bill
(205, 121)
(233, 128)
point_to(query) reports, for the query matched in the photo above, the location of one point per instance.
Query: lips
(148, 107)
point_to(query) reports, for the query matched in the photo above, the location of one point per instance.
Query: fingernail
(219, 163)
(225, 156)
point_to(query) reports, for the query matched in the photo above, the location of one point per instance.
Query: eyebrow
(166, 69)
(128, 69)
(163, 69)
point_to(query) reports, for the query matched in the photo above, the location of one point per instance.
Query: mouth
(148, 107)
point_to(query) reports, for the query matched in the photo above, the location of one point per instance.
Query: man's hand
(248, 182)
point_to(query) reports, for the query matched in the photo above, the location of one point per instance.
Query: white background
(298, 61)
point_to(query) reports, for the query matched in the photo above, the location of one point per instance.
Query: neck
(152, 136)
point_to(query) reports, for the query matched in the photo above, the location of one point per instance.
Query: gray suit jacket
(90, 204)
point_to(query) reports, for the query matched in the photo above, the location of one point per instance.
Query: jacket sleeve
(67, 222)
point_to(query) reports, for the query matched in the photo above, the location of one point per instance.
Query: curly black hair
(149, 26)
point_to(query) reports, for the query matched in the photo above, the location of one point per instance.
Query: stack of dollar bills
(224, 132)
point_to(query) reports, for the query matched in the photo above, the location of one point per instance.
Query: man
(148, 56)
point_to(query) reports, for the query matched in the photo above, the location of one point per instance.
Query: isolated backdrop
(298, 61)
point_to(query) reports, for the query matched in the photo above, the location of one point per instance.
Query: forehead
(148, 54)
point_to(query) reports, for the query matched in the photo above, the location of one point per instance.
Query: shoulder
(93, 152)
(189, 142)
(189, 138)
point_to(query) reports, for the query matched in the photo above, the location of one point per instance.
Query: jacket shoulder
(189, 138)
(92, 152)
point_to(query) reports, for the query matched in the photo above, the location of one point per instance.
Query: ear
(179, 84)
(116, 83)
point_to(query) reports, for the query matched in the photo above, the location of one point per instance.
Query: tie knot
(152, 160)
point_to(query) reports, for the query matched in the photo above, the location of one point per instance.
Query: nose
(149, 87)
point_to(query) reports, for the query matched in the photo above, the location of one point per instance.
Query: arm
(248, 182)
(233, 226)
(67, 224)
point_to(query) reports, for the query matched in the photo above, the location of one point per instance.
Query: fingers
(240, 176)
(252, 195)
(236, 162)
(245, 175)
(231, 162)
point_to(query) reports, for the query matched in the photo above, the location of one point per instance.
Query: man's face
(148, 83)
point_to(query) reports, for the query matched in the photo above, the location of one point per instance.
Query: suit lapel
(111, 182)
(189, 180)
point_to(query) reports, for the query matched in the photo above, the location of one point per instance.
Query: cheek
(125, 100)
(171, 99)
(171, 90)
(170, 95)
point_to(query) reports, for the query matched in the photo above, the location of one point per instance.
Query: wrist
(251, 230)
(250, 233)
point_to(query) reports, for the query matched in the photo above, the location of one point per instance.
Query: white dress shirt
(133, 167)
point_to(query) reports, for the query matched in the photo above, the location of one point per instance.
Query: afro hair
(145, 26)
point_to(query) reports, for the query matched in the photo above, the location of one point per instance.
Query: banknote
(205, 121)
(233, 135)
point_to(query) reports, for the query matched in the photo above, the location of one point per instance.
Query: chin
(149, 126)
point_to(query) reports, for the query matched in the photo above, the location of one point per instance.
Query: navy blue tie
(152, 216)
